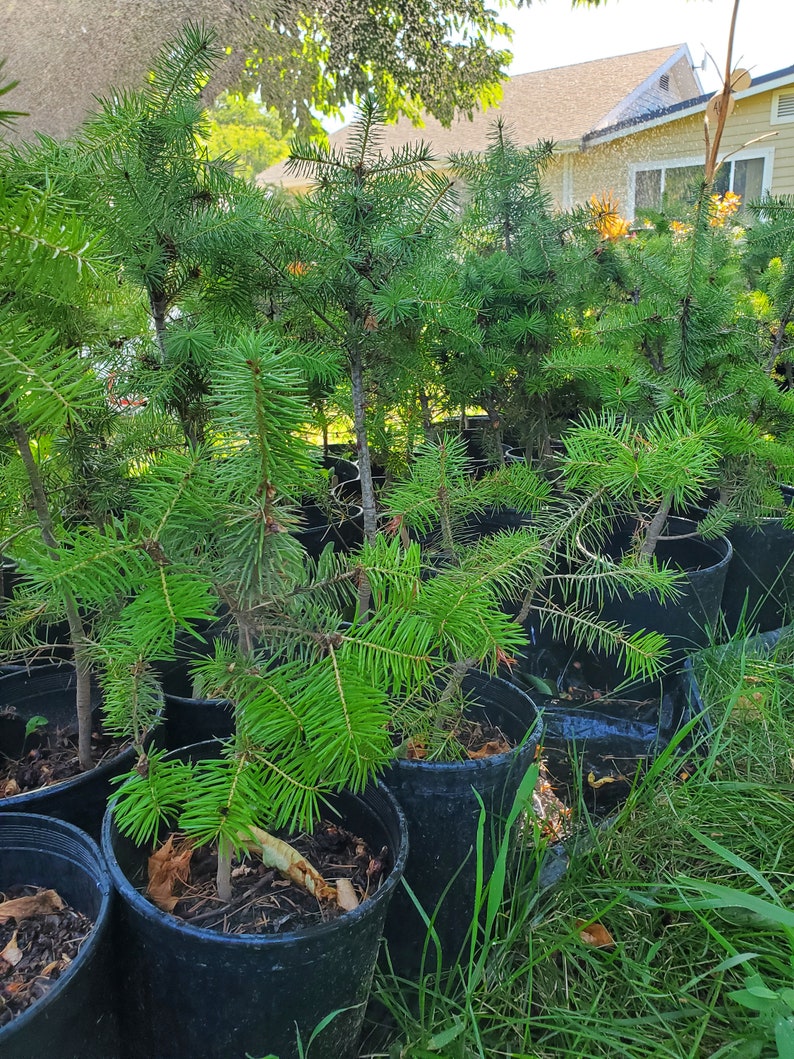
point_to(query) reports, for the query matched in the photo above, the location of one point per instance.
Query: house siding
(607, 167)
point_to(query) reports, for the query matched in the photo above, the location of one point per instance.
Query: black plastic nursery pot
(8, 578)
(339, 469)
(689, 620)
(49, 691)
(760, 584)
(485, 524)
(189, 718)
(344, 528)
(601, 729)
(191, 992)
(76, 1018)
(441, 805)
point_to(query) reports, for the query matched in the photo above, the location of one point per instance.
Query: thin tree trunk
(159, 308)
(427, 425)
(223, 876)
(654, 531)
(496, 426)
(780, 338)
(713, 144)
(362, 448)
(76, 628)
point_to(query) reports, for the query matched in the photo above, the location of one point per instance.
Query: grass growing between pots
(694, 883)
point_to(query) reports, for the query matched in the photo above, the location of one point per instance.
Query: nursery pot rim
(169, 922)
(472, 764)
(101, 877)
(785, 490)
(709, 542)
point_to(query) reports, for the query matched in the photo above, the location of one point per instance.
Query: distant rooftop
(562, 104)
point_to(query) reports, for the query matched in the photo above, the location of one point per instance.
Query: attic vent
(664, 82)
(782, 107)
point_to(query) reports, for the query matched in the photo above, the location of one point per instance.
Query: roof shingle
(560, 104)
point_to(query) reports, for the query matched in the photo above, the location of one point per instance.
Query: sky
(550, 33)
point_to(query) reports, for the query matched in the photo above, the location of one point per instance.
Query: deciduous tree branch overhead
(440, 55)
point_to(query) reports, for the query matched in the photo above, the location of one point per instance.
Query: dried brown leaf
(168, 866)
(345, 895)
(276, 853)
(601, 781)
(41, 904)
(491, 748)
(12, 954)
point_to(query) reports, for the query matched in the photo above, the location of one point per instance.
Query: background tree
(182, 227)
(366, 258)
(440, 54)
(250, 132)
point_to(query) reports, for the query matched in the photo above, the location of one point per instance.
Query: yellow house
(662, 152)
(630, 125)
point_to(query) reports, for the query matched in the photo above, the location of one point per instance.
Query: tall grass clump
(693, 884)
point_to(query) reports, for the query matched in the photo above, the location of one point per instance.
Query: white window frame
(774, 117)
(767, 154)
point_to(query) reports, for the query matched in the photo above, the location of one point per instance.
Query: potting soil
(37, 944)
(47, 757)
(263, 901)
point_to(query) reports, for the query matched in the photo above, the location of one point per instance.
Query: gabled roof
(663, 115)
(562, 104)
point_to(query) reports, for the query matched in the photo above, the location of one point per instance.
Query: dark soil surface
(472, 740)
(36, 950)
(264, 901)
(52, 757)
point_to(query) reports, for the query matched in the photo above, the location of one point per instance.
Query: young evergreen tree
(689, 331)
(78, 569)
(771, 249)
(531, 271)
(363, 254)
(181, 226)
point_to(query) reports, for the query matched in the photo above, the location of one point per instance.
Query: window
(675, 183)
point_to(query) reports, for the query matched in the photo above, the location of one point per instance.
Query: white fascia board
(698, 107)
(625, 103)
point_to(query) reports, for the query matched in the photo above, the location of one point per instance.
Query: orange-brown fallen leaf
(168, 866)
(595, 934)
(415, 751)
(491, 748)
(10, 788)
(40, 904)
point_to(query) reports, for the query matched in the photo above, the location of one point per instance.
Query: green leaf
(784, 1037)
(34, 723)
(545, 687)
(751, 1001)
(444, 1037)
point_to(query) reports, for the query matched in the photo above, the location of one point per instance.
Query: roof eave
(767, 83)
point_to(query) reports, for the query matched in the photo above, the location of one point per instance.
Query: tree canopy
(440, 55)
(251, 133)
